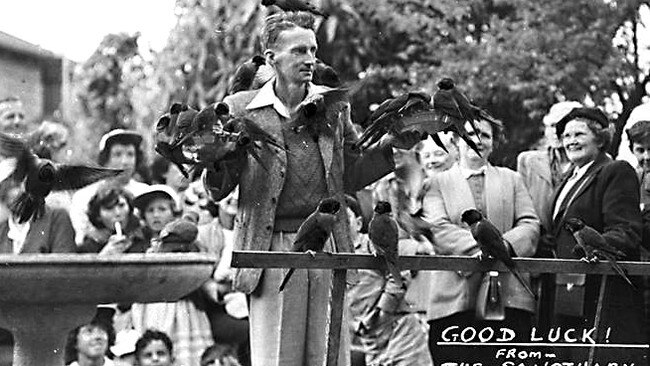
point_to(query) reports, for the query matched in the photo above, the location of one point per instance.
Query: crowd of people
(240, 317)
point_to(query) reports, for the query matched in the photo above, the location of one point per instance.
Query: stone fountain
(43, 297)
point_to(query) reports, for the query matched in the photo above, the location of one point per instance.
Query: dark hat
(127, 136)
(592, 114)
(639, 132)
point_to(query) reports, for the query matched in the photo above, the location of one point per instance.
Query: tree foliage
(514, 57)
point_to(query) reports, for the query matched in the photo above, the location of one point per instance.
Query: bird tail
(523, 281)
(26, 207)
(286, 279)
(393, 269)
(616, 267)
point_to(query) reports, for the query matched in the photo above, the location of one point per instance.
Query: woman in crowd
(115, 228)
(604, 194)
(500, 194)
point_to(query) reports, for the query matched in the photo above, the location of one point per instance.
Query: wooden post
(337, 305)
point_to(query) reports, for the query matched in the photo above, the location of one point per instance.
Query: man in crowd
(12, 116)
(276, 195)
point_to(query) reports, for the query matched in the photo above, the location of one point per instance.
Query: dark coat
(608, 201)
(51, 233)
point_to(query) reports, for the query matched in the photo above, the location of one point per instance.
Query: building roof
(17, 45)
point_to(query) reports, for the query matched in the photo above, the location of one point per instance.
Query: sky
(74, 28)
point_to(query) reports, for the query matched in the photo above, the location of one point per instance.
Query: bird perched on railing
(492, 244)
(384, 236)
(593, 246)
(413, 111)
(41, 176)
(314, 232)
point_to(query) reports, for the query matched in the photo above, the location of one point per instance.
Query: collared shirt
(467, 173)
(578, 173)
(17, 233)
(267, 97)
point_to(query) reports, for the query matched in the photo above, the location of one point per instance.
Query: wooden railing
(341, 262)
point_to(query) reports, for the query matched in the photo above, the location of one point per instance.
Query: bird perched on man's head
(491, 243)
(41, 176)
(296, 5)
(314, 232)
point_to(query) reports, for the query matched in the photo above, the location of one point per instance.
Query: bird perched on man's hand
(41, 176)
(296, 5)
(593, 246)
(384, 236)
(491, 243)
(314, 232)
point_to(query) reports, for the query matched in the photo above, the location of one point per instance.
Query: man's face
(12, 116)
(485, 144)
(294, 55)
(641, 152)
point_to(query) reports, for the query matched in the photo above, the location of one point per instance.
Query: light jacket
(509, 208)
(260, 186)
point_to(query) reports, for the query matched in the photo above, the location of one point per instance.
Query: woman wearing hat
(604, 194)
(119, 149)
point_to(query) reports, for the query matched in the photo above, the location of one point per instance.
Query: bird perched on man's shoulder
(314, 232)
(245, 74)
(296, 5)
(41, 176)
(492, 244)
(593, 246)
(384, 236)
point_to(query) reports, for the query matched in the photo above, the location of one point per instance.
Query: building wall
(22, 78)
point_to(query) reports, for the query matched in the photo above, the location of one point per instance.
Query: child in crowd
(154, 348)
(88, 344)
(185, 320)
(115, 228)
(388, 328)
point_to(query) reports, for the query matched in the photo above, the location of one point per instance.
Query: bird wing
(11, 147)
(595, 240)
(491, 241)
(311, 235)
(78, 176)
(7, 168)
(611, 259)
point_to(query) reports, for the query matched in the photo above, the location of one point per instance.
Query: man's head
(290, 46)
(639, 136)
(12, 116)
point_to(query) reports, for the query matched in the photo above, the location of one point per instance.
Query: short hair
(498, 136)
(149, 336)
(278, 22)
(70, 352)
(106, 196)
